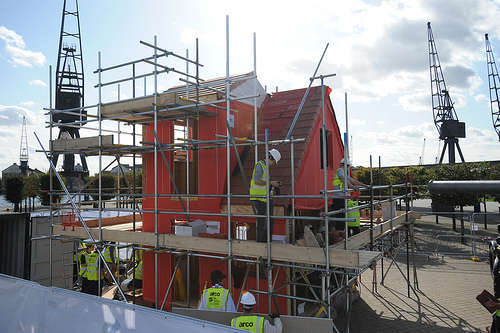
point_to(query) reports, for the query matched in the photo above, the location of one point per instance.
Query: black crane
(445, 117)
(70, 87)
(494, 85)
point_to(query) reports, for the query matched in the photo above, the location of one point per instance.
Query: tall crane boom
(445, 117)
(70, 85)
(494, 85)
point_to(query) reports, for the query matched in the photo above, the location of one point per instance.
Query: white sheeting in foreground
(26, 306)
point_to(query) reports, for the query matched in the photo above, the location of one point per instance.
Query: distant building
(126, 169)
(15, 170)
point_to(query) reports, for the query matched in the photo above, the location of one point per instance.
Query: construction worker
(135, 282)
(339, 197)
(217, 298)
(353, 226)
(110, 256)
(77, 263)
(90, 265)
(258, 193)
(253, 323)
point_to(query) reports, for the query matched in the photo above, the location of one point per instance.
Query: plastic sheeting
(29, 307)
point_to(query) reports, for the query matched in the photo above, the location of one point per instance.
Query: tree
(14, 190)
(107, 186)
(31, 186)
(44, 187)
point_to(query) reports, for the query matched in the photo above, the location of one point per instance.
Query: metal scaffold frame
(343, 277)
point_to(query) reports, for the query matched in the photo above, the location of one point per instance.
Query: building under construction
(198, 143)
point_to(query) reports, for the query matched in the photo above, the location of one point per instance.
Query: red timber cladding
(310, 176)
(277, 115)
(211, 180)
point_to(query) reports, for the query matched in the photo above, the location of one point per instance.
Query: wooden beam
(279, 252)
(379, 230)
(108, 221)
(81, 143)
(144, 104)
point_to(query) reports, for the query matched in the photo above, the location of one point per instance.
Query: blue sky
(378, 50)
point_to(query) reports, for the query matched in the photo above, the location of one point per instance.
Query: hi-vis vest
(253, 324)
(338, 184)
(259, 190)
(138, 271)
(92, 266)
(77, 258)
(215, 299)
(107, 254)
(353, 213)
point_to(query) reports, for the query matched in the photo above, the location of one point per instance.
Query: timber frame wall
(347, 259)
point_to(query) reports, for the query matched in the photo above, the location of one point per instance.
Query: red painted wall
(211, 180)
(310, 177)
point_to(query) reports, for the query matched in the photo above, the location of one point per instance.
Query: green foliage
(31, 186)
(14, 190)
(130, 178)
(107, 186)
(44, 187)
(461, 171)
(420, 177)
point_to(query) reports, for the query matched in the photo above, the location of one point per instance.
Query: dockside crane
(23, 150)
(421, 158)
(445, 117)
(70, 86)
(494, 85)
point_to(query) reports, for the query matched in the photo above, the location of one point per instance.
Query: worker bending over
(339, 197)
(217, 298)
(135, 282)
(258, 193)
(253, 323)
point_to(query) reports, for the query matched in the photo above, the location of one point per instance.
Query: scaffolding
(338, 265)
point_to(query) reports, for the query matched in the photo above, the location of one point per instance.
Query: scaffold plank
(130, 110)
(81, 143)
(280, 252)
(363, 238)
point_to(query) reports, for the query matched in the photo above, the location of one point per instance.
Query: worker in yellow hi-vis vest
(90, 264)
(252, 323)
(353, 226)
(217, 298)
(258, 193)
(338, 196)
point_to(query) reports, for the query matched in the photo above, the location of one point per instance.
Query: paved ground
(446, 300)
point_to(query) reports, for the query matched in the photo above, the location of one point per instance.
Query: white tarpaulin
(26, 306)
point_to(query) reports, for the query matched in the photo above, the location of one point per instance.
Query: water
(5, 204)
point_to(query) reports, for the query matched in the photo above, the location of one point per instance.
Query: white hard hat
(275, 154)
(342, 161)
(247, 299)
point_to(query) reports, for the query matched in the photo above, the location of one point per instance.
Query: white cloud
(416, 102)
(480, 97)
(357, 122)
(39, 83)
(28, 103)
(16, 48)
(11, 37)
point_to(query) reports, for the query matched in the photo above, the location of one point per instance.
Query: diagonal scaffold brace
(77, 212)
